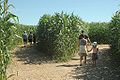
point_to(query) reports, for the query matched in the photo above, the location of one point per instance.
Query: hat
(94, 44)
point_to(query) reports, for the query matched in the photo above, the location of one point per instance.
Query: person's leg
(25, 42)
(94, 59)
(81, 58)
(80, 62)
(85, 58)
(30, 42)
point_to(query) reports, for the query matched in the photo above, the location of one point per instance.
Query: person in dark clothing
(25, 37)
(30, 38)
(34, 38)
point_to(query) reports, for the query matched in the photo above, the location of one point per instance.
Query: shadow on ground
(67, 65)
(105, 70)
(30, 55)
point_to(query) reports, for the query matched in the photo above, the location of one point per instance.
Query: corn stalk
(57, 35)
(7, 35)
(114, 33)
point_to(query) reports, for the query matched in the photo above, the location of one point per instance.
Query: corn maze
(57, 34)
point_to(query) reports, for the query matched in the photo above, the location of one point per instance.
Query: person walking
(82, 49)
(34, 38)
(95, 51)
(25, 37)
(30, 38)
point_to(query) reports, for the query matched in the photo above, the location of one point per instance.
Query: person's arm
(89, 40)
(87, 46)
(90, 49)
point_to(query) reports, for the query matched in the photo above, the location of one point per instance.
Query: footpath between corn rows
(28, 65)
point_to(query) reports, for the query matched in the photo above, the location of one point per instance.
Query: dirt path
(28, 65)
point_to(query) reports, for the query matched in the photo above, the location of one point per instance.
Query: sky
(30, 11)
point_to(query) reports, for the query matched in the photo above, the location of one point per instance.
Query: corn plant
(58, 34)
(7, 36)
(20, 30)
(114, 28)
(99, 32)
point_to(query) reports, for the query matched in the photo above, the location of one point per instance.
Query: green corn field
(57, 35)
(6, 36)
(10, 35)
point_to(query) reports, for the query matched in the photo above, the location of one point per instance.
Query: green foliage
(99, 32)
(7, 32)
(58, 34)
(20, 30)
(114, 28)
(9, 35)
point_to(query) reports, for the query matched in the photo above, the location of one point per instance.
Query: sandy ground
(28, 65)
